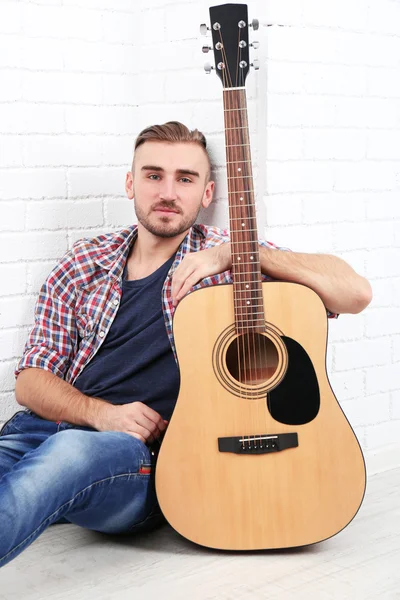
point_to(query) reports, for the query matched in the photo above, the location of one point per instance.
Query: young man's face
(169, 185)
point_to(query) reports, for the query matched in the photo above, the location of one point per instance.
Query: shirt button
(115, 302)
(102, 334)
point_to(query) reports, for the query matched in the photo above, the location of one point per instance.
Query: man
(98, 378)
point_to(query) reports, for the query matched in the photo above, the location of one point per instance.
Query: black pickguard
(296, 400)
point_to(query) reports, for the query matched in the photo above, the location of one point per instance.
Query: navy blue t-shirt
(135, 361)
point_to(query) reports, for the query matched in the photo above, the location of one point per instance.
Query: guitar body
(275, 498)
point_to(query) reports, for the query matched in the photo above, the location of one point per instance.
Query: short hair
(174, 132)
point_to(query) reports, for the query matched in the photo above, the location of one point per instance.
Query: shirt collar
(114, 260)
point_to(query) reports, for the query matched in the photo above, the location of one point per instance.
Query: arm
(341, 289)
(54, 399)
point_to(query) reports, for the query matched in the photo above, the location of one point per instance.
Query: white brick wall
(80, 78)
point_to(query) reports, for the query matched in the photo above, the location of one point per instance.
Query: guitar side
(237, 501)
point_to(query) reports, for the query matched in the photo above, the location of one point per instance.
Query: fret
(244, 127)
(230, 162)
(249, 242)
(239, 177)
(242, 262)
(241, 230)
(230, 89)
(229, 109)
(249, 298)
(241, 218)
(259, 291)
(240, 191)
(244, 204)
(236, 145)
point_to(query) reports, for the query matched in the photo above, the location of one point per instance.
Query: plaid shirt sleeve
(53, 339)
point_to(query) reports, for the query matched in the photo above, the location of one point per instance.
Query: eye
(186, 180)
(152, 175)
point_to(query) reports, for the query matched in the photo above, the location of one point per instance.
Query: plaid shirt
(80, 298)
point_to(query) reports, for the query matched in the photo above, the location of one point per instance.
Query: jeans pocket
(10, 425)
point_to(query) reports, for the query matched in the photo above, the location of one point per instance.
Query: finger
(188, 284)
(179, 278)
(154, 416)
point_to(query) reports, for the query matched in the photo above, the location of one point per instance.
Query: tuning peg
(206, 49)
(208, 68)
(255, 64)
(204, 29)
(255, 45)
(255, 24)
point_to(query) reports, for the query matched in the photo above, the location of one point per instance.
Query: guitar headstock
(230, 37)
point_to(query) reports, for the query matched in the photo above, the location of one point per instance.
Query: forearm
(340, 288)
(54, 399)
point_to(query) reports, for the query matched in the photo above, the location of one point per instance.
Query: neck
(150, 250)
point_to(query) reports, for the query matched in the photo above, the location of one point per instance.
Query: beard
(165, 226)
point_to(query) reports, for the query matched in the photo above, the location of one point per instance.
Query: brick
(62, 214)
(12, 216)
(100, 119)
(283, 209)
(343, 144)
(17, 311)
(12, 279)
(382, 205)
(396, 348)
(62, 150)
(338, 14)
(119, 212)
(362, 353)
(384, 17)
(148, 114)
(284, 143)
(366, 112)
(10, 51)
(96, 182)
(382, 321)
(383, 262)
(333, 207)
(32, 246)
(77, 88)
(382, 293)
(382, 379)
(364, 175)
(335, 79)
(369, 410)
(300, 111)
(383, 81)
(7, 379)
(116, 150)
(284, 78)
(10, 17)
(299, 176)
(79, 234)
(32, 183)
(355, 236)
(382, 434)
(79, 55)
(11, 151)
(298, 238)
(297, 44)
(348, 385)
(37, 274)
(8, 406)
(40, 54)
(68, 22)
(396, 291)
(12, 343)
(11, 86)
(396, 404)
(383, 145)
(123, 27)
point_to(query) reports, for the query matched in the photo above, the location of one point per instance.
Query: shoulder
(86, 256)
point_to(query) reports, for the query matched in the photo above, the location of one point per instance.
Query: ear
(208, 194)
(129, 185)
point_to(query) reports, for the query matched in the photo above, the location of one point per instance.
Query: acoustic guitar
(258, 453)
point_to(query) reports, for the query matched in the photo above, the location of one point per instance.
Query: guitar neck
(246, 270)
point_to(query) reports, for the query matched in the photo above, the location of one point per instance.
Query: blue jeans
(58, 472)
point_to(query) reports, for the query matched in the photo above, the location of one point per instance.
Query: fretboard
(246, 271)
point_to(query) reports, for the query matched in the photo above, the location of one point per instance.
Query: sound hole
(252, 358)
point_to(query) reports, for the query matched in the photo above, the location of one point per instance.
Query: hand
(195, 266)
(136, 419)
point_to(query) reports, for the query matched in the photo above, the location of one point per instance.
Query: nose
(168, 190)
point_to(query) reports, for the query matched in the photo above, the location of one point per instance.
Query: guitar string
(250, 336)
(226, 80)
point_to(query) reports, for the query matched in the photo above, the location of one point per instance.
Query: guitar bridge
(258, 444)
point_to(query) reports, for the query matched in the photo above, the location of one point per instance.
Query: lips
(166, 210)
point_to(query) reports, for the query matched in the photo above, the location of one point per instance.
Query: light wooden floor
(362, 562)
